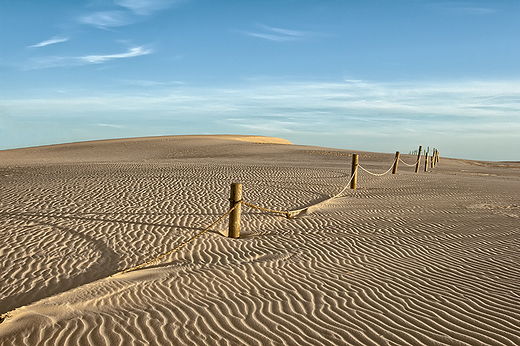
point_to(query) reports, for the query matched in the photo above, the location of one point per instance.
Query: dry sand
(406, 259)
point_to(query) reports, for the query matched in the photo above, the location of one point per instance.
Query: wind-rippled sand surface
(407, 259)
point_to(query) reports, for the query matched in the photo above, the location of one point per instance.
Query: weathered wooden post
(234, 217)
(432, 163)
(397, 154)
(418, 163)
(426, 160)
(353, 182)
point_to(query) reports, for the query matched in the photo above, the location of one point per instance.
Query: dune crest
(258, 139)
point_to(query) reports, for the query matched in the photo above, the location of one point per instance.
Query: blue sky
(364, 75)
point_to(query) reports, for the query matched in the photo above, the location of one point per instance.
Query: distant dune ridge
(406, 259)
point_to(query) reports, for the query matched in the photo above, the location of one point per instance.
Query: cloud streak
(462, 8)
(487, 101)
(57, 61)
(97, 59)
(127, 12)
(107, 19)
(279, 34)
(54, 40)
(147, 7)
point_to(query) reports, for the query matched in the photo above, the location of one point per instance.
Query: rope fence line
(234, 226)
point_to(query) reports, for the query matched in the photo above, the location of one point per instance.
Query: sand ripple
(408, 259)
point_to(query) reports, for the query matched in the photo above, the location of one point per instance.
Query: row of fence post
(434, 158)
(236, 188)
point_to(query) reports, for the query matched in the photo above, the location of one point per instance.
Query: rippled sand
(407, 259)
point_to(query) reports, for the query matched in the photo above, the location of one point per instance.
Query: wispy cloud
(356, 101)
(286, 32)
(279, 34)
(149, 83)
(110, 125)
(57, 61)
(463, 8)
(55, 39)
(132, 52)
(126, 12)
(147, 7)
(107, 19)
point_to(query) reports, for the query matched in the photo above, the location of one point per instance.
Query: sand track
(407, 259)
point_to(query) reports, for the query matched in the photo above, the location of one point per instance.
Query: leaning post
(418, 163)
(426, 160)
(353, 182)
(397, 154)
(234, 217)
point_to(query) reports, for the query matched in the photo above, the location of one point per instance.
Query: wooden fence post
(432, 163)
(234, 217)
(426, 160)
(418, 159)
(397, 154)
(353, 182)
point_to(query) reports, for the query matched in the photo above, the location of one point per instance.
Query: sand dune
(407, 259)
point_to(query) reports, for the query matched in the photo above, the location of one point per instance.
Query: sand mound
(138, 149)
(406, 259)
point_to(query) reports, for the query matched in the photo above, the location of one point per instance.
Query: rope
(181, 245)
(288, 214)
(412, 165)
(346, 186)
(378, 175)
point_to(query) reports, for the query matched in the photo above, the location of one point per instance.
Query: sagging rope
(289, 213)
(346, 186)
(406, 164)
(282, 212)
(376, 174)
(180, 246)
